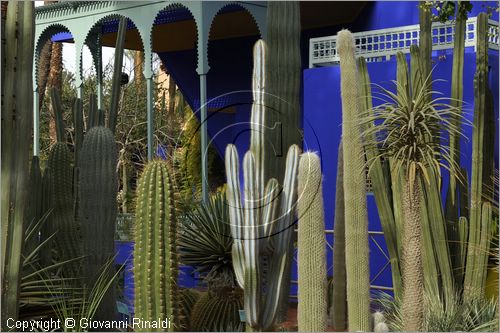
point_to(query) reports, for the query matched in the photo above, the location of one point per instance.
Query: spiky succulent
(410, 127)
(205, 240)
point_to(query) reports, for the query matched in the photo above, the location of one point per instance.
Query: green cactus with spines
(155, 257)
(452, 206)
(356, 220)
(269, 239)
(472, 286)
(34, 211)
(311, 246)
(67, 231)
(379, 175)
(282, 101)
(338, 311)
(46, 230)
(17, 99)
(98, 185)
(187, 299)
(216, 310)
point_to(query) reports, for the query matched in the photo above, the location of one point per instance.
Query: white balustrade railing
(380, 45)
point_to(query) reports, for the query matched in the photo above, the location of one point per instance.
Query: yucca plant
(410, 127)
(205, 240)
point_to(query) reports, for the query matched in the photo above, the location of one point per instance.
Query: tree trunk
(138, 67)
(43, 71)
(413, 277)
(55, 80)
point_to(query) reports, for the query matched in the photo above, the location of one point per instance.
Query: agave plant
(205, 240)
(456, 315)
(409, 127)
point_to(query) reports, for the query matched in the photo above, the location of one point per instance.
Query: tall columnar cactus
(452, 207)
(282, 81)
(262, 227)
(425, 40)
(311, 245)
(282, 101)
(16, 142)
(67, 231)
(155, 259)
(34, 211)
(356, 220)
(338, 312)
(98, 208)
(472, 285)
(381, 184)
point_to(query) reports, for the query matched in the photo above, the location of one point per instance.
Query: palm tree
(410, 128)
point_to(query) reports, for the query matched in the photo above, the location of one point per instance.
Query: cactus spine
(313, 291)
(254, 229)
(338, 311)
(98, 207)
(472, 285)
(155, 259)
(356, 220)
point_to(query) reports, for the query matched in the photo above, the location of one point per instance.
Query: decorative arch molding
(257, 15)
(93, 37)
(166, 5)
(40, 40)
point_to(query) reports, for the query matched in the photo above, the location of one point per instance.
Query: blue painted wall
(322, 131)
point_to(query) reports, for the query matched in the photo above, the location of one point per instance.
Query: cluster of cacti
(312, 309)
(17, 104)
(338, 309)
(265, 218)
(216, 311)
(155, 257)
(356, 220)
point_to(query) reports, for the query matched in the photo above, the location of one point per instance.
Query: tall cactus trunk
(311, 244)
(338, 312)
(356, 220)
(155, 260)
(98, 209)
(282, 99)
(452, 207)
(380, 177)
(15, 176)
(413, 277)
(282, 103)
(472, 286)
